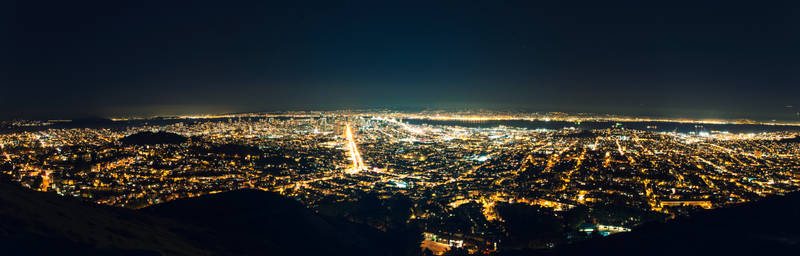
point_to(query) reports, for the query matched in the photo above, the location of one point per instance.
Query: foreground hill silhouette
(768, 227)
(247, 222)
(37, 223)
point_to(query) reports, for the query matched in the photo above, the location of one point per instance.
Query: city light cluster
(462, 177)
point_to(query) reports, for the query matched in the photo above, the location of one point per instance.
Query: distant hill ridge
(796, 139)
(151, 138)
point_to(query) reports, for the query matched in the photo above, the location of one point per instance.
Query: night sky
(715, 59)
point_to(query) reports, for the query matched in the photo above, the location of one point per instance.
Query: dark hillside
(248, 221)
(766, 227)
(245, 222)
(151, 138)
(37, 223)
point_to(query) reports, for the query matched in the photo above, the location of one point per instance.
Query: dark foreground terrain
(251, 222)
(246, 222)
(768, 227)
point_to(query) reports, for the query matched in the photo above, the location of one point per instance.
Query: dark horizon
(715, 59)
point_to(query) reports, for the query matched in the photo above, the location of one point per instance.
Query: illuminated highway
(355, 156)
